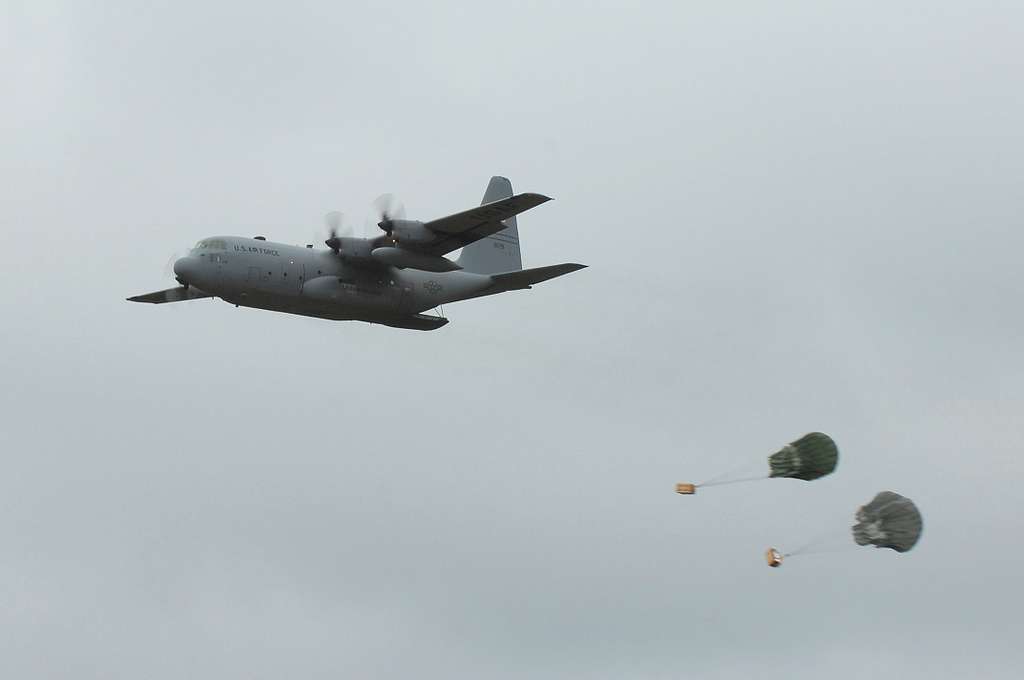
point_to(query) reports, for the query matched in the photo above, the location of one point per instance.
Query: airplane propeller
(389, 208)
(169, 267)
(337, 228)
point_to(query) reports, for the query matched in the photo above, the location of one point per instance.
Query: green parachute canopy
(888, 521)
(812, 456)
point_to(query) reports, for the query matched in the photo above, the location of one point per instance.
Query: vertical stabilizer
(499, 252)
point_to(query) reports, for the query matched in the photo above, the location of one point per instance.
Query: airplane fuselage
(251, 272)
(391, 279)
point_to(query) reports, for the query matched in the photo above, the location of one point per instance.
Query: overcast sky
(797, 215)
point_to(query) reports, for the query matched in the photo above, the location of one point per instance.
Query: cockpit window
(211, 244)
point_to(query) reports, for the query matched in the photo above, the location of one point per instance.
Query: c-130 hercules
(391, 279)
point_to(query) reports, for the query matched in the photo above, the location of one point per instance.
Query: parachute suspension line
(716, 481)
(745, 471)
(829, 541)
(810, 457)
(812, 550)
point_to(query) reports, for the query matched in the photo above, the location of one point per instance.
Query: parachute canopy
(812, 456)
(888, 521)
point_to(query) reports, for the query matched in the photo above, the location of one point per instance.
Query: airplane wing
(461, 229)
(171, 295)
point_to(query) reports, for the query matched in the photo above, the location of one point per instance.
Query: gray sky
(798, 215)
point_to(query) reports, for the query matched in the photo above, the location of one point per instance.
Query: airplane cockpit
(210, 244)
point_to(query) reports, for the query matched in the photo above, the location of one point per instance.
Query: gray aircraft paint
(253, 272)
(285, 278)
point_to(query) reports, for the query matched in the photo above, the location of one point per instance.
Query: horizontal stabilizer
(528, 277)
(179, 294)
(416, 322)
(488, 213)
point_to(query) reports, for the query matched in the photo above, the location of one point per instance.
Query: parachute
(888, 521)
(810, 457)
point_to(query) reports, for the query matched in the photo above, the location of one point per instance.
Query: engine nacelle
(354, 248)
(400, 257)
(410, 232)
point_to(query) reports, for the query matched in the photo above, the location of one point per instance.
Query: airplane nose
(185, 269)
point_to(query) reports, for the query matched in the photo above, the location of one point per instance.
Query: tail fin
(499, 252)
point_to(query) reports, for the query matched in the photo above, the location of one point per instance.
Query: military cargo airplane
(391, 279)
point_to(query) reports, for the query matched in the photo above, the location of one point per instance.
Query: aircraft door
(291, 276)
(405, 298)
(394, 292)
